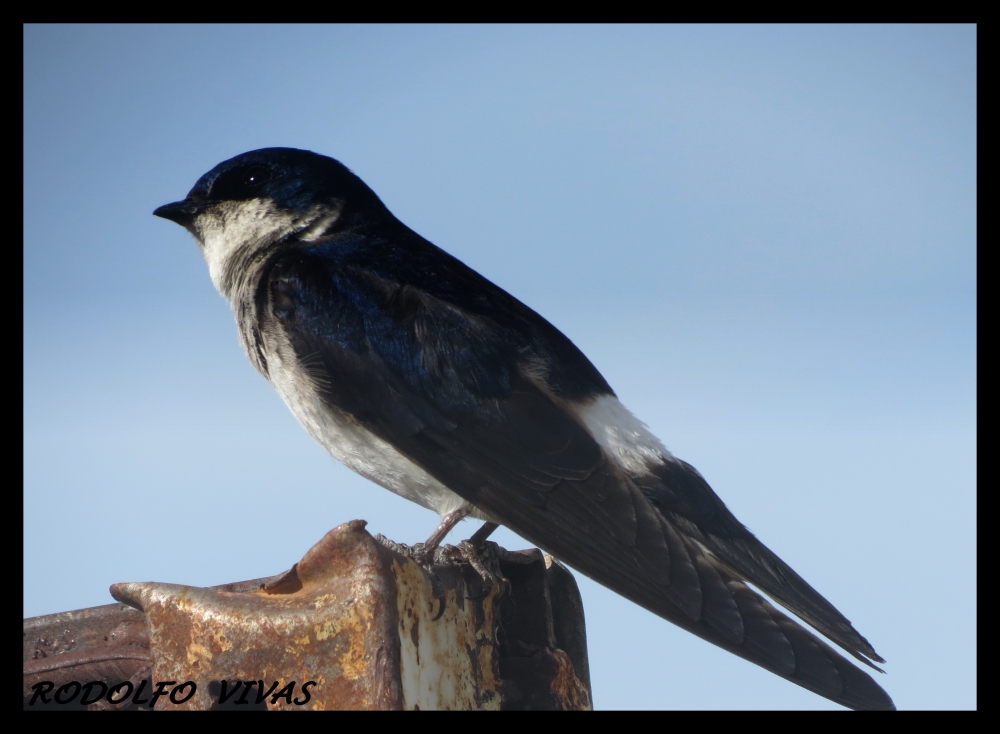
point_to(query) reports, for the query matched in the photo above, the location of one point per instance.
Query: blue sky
(764, 237)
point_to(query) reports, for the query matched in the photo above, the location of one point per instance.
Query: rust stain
(566, 687)
(447, 652)
(365, 624)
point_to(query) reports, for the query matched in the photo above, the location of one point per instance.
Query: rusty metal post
(354, 625)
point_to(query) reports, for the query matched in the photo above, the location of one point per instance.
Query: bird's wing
(455, 392)
(681, 494)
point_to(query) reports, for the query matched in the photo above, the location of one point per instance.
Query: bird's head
(258, 198)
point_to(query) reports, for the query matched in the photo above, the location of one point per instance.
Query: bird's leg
(480, 536)
(482, 556)
(448, 522)
(425, 553)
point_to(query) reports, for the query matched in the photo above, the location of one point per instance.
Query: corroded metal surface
(102, 643)
(331, 620)
(448, 651)
(354, 625)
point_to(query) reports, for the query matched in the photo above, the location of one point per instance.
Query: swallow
(423, 376)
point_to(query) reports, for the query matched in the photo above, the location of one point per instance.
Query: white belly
(355, 446)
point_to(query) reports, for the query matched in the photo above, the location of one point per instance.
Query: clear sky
(764, 237)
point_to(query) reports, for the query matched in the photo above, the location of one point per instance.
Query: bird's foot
(431, 552)
(475, 548)
(485, 558)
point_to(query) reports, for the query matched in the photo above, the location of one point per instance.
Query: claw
(488, 572)
(432, 553)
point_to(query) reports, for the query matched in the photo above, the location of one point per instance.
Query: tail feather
(737, 618)
(683, 496)
(680, 578)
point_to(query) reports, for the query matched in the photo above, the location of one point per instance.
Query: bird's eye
(256, 176)
(241, 183)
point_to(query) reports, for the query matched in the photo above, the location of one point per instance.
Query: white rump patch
(623, 436)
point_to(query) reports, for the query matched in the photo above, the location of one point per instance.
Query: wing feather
(681, 493)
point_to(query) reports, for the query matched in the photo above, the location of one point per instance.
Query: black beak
(181, 212)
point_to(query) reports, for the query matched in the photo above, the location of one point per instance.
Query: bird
(431, 381)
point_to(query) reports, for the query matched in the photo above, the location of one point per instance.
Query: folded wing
(464, 396)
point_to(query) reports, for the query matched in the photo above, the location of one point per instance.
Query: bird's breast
(349, 442)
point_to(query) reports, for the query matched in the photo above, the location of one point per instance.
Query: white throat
(234, 227)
